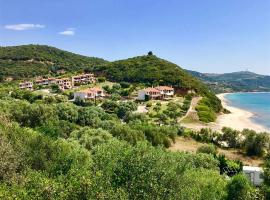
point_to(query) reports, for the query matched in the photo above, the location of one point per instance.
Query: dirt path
(192, 113)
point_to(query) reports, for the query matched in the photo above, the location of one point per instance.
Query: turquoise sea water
(257, 103)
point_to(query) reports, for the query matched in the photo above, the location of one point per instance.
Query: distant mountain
(235, 81)
(32, 60)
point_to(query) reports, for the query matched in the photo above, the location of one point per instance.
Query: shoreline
(238, 119)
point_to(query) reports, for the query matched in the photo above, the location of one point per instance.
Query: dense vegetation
(42, 168)
(251, 143)
(235, 82)
(151, 70)
(47, 146)
(32, 60)
(53, 149)
(205, 111)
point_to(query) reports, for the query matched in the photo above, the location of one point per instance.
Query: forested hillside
(32, 60)
(152, 70)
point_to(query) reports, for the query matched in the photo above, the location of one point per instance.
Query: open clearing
(190, 145)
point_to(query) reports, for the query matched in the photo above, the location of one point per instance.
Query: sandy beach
(238, 119)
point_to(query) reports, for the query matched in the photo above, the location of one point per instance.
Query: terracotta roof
(63, 79)
(164, 88)
(86, 91)
(45, 79)
(151, 90)
(82, 75)
(27, 82)
(96, 89)
(92, 90)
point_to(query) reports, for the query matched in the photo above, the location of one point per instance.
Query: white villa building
(159, 92)
(90, 93)
(152, 93)
(26, 85)
(166, 91)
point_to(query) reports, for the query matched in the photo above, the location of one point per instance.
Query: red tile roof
(92, 90)
(82, 75)
(151, 90)
(164, 88)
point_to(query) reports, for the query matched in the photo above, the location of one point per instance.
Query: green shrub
(255, 144)
(239, 188)
(229, 167)
(149, 104)
(101, 79)
(208, 149)
(207, 116)
(231, 137)
(206, 111)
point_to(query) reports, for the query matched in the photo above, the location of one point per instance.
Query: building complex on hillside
(45, 81)
(63, 83)
(83, 79)
(159, 92)
(90, 93)
(26, 85)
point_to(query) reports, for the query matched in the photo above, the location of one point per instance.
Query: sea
(257, 103)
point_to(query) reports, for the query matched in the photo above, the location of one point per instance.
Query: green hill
(150, 70)
(32, 60)
(235, 82)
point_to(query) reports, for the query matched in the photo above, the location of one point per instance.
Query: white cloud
(68, 32)
(23, 27)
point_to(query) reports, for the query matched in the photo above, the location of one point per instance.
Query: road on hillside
(191, 111)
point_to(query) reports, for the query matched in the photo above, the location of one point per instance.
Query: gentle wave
(257, 103)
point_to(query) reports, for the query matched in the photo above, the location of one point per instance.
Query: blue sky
(203, 35)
